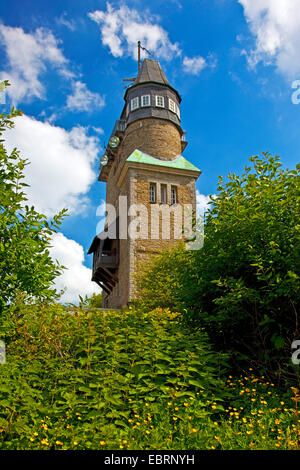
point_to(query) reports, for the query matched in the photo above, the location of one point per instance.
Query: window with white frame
(172, 105)
(145, 100)
(177, 111)
(152, 192)
(173, 195)
(134, 103)
(163, 194)
(159, 101)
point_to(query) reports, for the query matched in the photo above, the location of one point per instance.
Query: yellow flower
(194, 430)
(174, 418)
(217, 438)
(147, 432)
(250, 432)
(75, 443)
(102, 443)
(58, 443)
(214, 407)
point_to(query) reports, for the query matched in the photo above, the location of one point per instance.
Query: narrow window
(172, 106)
(173, 195)
(163, 193)
(134, 103)
(177, 111)
(152, 193)
(160, 101)
(145, 101)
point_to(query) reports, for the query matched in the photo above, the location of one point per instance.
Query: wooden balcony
(105, 262)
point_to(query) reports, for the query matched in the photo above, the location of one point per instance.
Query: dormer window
(159, 101)
(134, 103)
(172, 105)
(145, 100)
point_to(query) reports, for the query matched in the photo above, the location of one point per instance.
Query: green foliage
(25, 263)
(243, 285)
(78, 379)
(161, 282)
(95, 301)
(97, 368)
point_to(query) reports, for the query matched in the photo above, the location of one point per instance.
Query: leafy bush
(243, 285)
(25, 262)
(98, 368)
(78, 379)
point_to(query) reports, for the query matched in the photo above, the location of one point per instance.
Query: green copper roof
(178, 162)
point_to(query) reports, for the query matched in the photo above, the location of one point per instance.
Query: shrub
(243, 285)
(91, 373)
(25, 235)
(79, 379)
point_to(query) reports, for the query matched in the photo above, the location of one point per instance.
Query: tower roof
(151, 71)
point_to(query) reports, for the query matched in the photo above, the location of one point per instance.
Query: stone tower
(144, 170)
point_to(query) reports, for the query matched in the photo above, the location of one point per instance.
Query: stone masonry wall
(159, 138)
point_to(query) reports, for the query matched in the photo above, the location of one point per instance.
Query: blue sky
(234, 63)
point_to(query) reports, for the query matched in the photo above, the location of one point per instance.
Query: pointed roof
(151, 71)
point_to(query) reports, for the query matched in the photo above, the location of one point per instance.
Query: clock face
(114, 141)
(104, 160)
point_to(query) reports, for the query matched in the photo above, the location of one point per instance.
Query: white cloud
(28, 56)
(77, 277)
(202, 203)
(61, 163)
(276, 27)
(122, 28)
(83, 99)
(194, 65)
(64, 21)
